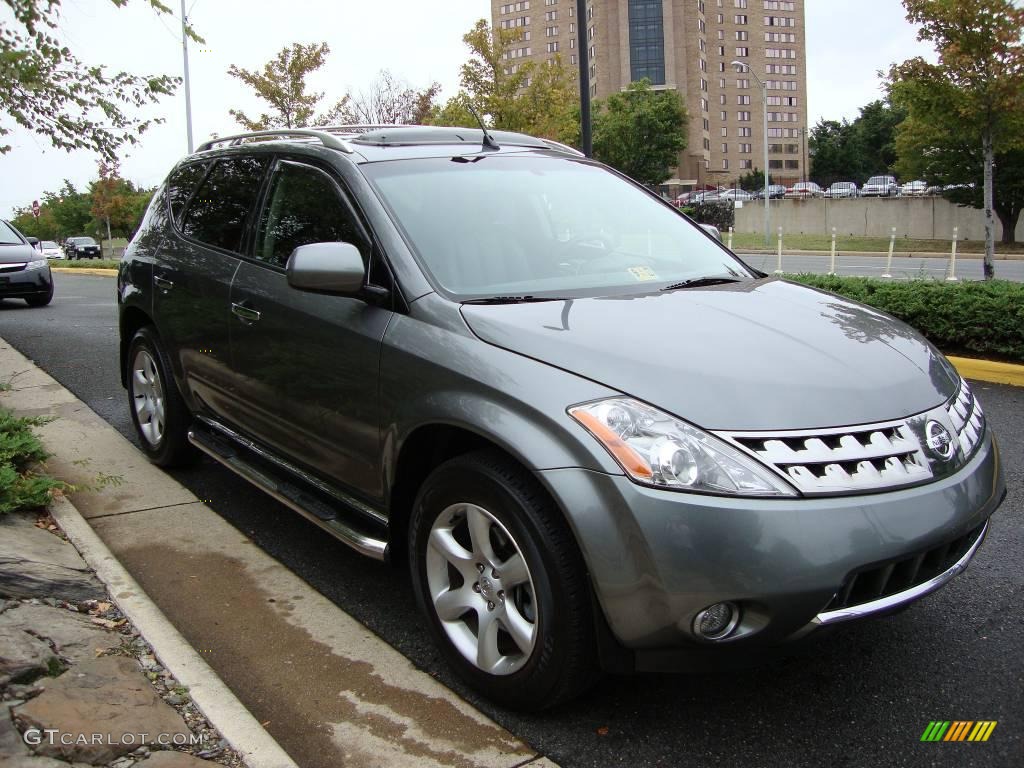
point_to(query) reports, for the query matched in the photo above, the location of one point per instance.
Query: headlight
(36, 264)
(659, 450)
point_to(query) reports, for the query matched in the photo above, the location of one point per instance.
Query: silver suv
(598, 439)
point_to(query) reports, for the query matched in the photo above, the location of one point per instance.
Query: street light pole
(188, 90)
(741, 67)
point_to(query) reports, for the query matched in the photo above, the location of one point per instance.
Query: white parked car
(803, 190)
(914, 188)
(736, 194)
(842, 189)
(51, 250)
(880, 186)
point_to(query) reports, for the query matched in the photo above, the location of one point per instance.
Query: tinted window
(8, 236)
(220, 206)
(180, 185)
(305, 206)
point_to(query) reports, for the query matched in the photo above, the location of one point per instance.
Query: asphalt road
(903, 268)
(860, 697)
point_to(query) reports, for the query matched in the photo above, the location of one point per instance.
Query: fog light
(716, 621)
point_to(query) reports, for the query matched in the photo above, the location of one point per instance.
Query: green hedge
(980, 319)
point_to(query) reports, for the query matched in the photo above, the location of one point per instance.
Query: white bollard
(730, 238)
(892, 244)
(778, 268)
(952, 258)
(832, 268)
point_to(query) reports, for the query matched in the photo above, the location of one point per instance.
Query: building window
(725, 149)
(792, 149)
(775, 165)
(743, 83)
(739, 19)
(707, 125)
(775, 149)
(552, 47)
(707, 144)
(725, 131)
(743, 52)
(745, 149)
(725, 164)
(743, 100)
(746, 165)
(723, 115)
(550, 15)
(740, 3)
(647, 41)
(792, 165)
(743, 117)
(550, 31)
(743, 133)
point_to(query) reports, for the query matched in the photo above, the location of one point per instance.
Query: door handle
(244, 313)
(163, 283)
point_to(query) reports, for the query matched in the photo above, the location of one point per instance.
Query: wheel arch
(132, 319)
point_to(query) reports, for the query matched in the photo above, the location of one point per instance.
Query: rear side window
(305, 205)
(180, 186)
(219, 208)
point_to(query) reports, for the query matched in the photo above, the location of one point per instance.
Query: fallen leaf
(602, 731)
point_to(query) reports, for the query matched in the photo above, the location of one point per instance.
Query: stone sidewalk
(78, 684)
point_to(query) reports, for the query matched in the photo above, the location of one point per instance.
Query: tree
(641, 132)
(843, 151)
(976, 90)
(45, 88)
(282, 84)
(528, 97)
(390, 100)
(953, 161)
(115, 204)
(753, 181)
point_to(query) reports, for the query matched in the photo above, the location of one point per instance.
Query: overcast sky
(848, 42)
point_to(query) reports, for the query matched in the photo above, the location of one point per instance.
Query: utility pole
(188, 90)
(743, 67)
(583, 57)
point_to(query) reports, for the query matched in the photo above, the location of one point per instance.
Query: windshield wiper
(697, 282)
(514, 299)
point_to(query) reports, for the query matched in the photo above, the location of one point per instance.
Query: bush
(976, 318)
(21, 487)
(721, 215)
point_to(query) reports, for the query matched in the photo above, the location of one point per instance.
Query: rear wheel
(158, 411)
(501, 582)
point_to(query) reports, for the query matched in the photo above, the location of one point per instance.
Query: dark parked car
(24, 271)
(81, 248)
(597, 437)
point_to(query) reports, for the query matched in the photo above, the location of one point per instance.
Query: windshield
(83, 241)
(49, 244)
(529, 226)
(878, 180)
(8, 236)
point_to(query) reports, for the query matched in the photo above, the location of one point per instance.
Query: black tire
(562, 662)
(171, 447)
(41, 300)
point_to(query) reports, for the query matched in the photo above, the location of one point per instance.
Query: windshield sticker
(643, 273)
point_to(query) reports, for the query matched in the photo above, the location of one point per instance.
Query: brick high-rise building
(689, 46)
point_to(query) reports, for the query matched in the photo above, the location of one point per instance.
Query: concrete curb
(85, 271)
(990, 371)
(213, 698)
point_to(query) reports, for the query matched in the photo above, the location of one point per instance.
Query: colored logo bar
(959, 730)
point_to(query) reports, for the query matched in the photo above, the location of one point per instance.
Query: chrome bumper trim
(900, 598)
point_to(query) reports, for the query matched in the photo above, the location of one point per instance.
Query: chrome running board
(288, 493)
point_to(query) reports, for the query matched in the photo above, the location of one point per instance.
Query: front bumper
(658, 558)
(25, 282)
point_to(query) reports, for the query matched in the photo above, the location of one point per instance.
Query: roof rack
(322, 135)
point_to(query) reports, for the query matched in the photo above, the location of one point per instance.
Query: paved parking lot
(861, 697)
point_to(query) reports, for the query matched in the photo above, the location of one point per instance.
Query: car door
(211, 204)
(306, 364)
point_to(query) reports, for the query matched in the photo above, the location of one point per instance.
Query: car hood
(17, 253)
(759, 355)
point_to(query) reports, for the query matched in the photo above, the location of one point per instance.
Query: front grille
(845, 459)
(967, 417)
(897, 576)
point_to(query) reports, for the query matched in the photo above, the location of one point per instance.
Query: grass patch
(22, 486)
(86, 263)
(850, 244)
(979, 319)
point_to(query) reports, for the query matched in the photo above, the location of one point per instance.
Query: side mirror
(327, 267)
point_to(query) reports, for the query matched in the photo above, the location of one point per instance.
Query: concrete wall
(928, 218)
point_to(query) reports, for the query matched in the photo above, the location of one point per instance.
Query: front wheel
(501, 582)
(158, 411)
(41, 300)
